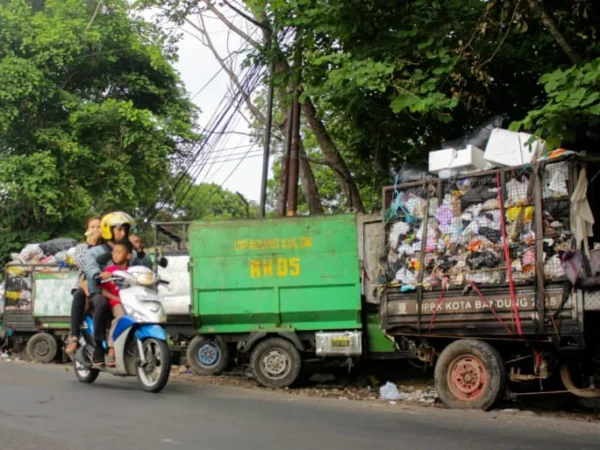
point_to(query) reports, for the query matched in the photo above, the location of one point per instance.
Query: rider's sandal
(110, 360)
(72, 346)
(98, 365)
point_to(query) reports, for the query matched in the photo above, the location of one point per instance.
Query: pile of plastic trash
(53, 255)
(457, 224)
(56, 251)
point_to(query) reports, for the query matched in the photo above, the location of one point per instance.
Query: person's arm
(95, 258)
(110, 296)
(139, 257)
(141, 260)
(79, 256)
(84, 286)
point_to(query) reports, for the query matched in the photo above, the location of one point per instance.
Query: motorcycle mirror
(163, 262)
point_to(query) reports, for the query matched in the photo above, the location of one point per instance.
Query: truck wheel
(207, 355)
(470, 374)
(276, 363)
(42, 347)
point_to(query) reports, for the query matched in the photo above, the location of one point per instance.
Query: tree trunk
(309, 184)
(307, 177)
(333, 157)
(538, 7)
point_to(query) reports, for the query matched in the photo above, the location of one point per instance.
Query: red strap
(437, 305)
(498, 318)
(511, 284)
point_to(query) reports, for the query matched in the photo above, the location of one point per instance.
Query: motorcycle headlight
(145, 279)
(138, 316)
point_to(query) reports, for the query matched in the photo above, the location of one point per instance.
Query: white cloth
(582, 219)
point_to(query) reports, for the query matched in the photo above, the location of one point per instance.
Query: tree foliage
(209, 201)
(394, 79)
(93, 117)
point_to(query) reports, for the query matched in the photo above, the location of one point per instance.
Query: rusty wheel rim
(467, 378)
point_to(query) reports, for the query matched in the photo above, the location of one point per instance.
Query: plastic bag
(416, 206)
(554, 268)
(494, 219)
(406, 276)
(445, 214)
(479, 136)
(492, 203)
(433, 206)
(54, 246)
(31, 252)
(517, 192)
(48, 260)
(483, 277)
(411, 172)
(555, 180)
(513, 213)
(484, 260)
(61, 256)
(389, 391)
(491, 234)
(432, 225)
(405, 249)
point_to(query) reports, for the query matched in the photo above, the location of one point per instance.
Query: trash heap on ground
(451, 224)
(51, 256)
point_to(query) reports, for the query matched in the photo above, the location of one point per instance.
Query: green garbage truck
(279, 293)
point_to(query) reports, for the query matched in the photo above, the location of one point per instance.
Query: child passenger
(121, 256)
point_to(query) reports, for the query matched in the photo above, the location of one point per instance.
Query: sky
(237, 164)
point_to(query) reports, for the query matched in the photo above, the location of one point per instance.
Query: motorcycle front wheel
(154, 375)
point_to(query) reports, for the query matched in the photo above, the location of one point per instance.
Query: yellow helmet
(114, 219)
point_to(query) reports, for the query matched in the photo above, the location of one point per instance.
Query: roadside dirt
(415, 387)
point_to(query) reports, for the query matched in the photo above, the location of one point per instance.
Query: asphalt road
(43, 407)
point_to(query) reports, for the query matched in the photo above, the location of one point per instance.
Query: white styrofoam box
(176, 297)
(509, 148)
(450, 161)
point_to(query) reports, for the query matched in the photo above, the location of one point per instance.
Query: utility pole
(285, 164)
(267, 148)
(294, 162)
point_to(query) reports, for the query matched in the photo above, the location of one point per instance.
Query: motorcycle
(140, 342)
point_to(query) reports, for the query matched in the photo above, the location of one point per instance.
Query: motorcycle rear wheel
(84, 375)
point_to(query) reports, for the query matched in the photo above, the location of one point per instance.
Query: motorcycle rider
(114, 227)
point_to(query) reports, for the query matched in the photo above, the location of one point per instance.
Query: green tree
(209, 201)
(93, 117)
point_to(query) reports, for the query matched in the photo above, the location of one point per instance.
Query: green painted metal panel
(292, 273)
(66, 325)
(379, 342)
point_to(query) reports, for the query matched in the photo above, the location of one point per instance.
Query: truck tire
(207, 355)
(470, 374)
(276, 363)
(42, 347)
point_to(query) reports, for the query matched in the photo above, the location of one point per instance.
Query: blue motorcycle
(140, 341)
